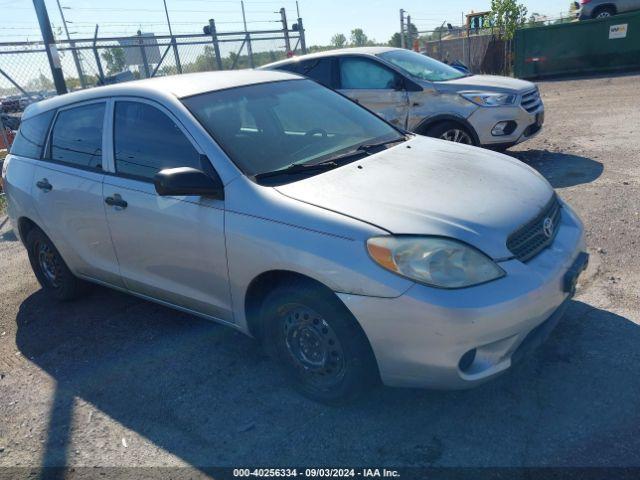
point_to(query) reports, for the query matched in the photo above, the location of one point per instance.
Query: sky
(322, 18)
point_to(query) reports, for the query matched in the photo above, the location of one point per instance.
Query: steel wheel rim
(49, 263)
(457, 135)
(313, 346)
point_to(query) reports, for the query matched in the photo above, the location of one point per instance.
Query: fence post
(216, 45)
(303, 41)
(176, 54)
(97, 57)
(285, 30)
(143, 53)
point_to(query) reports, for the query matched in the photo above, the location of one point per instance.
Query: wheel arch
(605, 6)
(429, 122)
(25, 225)
(264, 283)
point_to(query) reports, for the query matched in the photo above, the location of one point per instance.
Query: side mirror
(188, 181)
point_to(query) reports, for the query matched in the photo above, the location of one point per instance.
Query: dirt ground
(115, 381)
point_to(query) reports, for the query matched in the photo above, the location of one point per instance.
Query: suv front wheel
(451, 131)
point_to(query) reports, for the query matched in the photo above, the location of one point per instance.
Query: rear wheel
(451, 131)
(604, 12)
(49, 267)
(322, 350)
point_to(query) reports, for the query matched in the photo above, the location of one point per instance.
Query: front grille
(530, 239)
(531, 100)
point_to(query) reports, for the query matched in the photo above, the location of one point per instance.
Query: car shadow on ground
(208, 395)
(561, 169)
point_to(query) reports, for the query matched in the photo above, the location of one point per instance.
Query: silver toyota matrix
(353, 250)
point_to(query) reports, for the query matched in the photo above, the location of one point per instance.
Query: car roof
(332, 53)
(179, 86)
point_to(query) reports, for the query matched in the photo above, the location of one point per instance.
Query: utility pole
(409, 33)
(403, 41)
(173, 40)
(214, 38)
(74, 53)
(285, 30)
(247, 36)
(50, 46)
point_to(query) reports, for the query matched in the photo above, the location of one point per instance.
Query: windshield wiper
(297, 168)
(372, 146)
(363, 150)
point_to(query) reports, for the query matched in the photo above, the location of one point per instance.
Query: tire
(604, 12)
(50, 269)
(451, 131)
(319, 345)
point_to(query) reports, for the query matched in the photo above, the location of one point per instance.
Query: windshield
(421, 66)
(270, 126)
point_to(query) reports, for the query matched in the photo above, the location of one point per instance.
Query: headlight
(490, 99)
(436, 261)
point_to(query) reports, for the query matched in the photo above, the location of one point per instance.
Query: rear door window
(76, 138)
(319, 69)
(32, 136)
(146, 141)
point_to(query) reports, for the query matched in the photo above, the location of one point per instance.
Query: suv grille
(530, 239)
(531, 100)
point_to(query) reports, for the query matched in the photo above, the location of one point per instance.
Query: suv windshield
(269, 127)
(421, 66)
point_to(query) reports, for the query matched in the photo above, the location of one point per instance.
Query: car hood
(489, 83)
(432, 187)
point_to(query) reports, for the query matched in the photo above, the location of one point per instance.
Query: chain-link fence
(482, 51)
(25, 74)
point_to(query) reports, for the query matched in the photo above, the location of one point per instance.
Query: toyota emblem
(547, 227)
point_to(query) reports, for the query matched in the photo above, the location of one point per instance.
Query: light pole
(74, 53)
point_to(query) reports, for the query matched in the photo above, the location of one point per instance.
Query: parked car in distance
(264, 201)
(588, 9)
(425, 96)
(10, 104)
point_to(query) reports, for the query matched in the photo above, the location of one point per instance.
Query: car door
(171, 249)
(67, 190)
(374, 86)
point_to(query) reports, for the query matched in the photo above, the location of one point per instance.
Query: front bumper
(420, 337)
(528, 124)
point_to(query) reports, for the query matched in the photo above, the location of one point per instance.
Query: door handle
(116, 201)
(44, 185)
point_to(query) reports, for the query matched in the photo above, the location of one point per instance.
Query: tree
(508, 16)
(339, 40)
(115, 60)
(359, 38)
(396, 38)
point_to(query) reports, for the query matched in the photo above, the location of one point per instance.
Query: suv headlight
(490, 99)
(435, 261)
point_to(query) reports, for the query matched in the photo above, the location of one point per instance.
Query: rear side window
(147, 141)
(32, 135)
(76, 137)
(319, 70)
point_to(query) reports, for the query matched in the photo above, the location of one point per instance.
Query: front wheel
(451, 131)
(319, 344)
(604, 12)
(51, 271)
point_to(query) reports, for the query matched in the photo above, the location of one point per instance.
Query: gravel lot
(115, 381)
